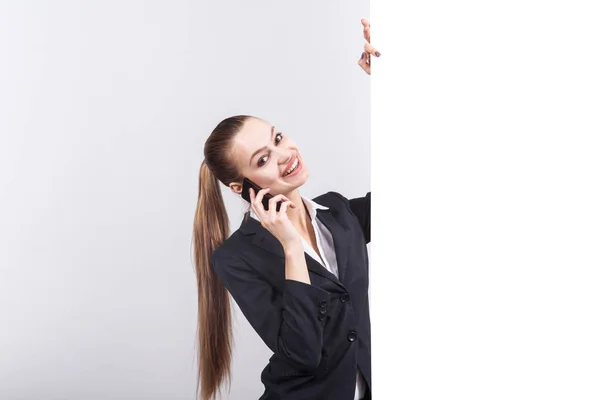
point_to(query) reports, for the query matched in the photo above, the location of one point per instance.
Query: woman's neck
(299, 216)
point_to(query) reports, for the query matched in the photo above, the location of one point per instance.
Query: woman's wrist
(295, 262)
(293, 247)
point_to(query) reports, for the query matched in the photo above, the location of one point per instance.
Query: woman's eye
(260, 160)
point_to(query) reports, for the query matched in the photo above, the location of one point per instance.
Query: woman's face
(265, 155)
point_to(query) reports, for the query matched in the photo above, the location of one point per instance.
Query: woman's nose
(284, 157)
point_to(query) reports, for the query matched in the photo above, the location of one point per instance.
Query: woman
(299, 275)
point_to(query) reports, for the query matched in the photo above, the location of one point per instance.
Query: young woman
(299, 275)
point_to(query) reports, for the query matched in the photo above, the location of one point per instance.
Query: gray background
(104, 109)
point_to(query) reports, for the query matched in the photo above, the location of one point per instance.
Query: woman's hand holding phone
(276, 222)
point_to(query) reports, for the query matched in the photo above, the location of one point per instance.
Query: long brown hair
(211, 228)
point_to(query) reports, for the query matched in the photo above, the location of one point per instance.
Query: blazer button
(321, 317)
(352, 336)
(345, 297)
(323, 303)
(323, 310)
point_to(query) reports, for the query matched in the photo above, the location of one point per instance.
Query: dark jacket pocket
(280, 369)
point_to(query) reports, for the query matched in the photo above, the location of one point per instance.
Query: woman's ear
(236, 188)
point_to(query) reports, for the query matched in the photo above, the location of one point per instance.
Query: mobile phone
(247, 184)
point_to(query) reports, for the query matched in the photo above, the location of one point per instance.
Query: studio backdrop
(104, 110)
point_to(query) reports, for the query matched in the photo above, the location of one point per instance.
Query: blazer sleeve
(361, 207)
(287, 320)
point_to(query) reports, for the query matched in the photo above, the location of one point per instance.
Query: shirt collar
(311, 206)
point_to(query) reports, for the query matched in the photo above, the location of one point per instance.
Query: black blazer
(319, 333)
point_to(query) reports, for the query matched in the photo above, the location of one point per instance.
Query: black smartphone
(247, 184)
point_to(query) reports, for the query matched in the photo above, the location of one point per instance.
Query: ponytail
(214, 331)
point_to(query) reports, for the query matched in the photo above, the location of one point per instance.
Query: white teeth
(294, 166)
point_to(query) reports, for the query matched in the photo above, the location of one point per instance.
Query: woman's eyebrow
(262, 148)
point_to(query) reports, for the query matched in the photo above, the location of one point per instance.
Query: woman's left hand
(365, 58)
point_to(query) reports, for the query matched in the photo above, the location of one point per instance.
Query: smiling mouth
(294, 167)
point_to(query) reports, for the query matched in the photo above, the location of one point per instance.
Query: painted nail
(362, 56)
(377, 54)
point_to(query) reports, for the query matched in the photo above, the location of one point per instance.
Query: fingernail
(377, 54)
(362, 56)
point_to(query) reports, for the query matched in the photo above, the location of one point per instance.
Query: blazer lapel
(266, 241)
(340, 236)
